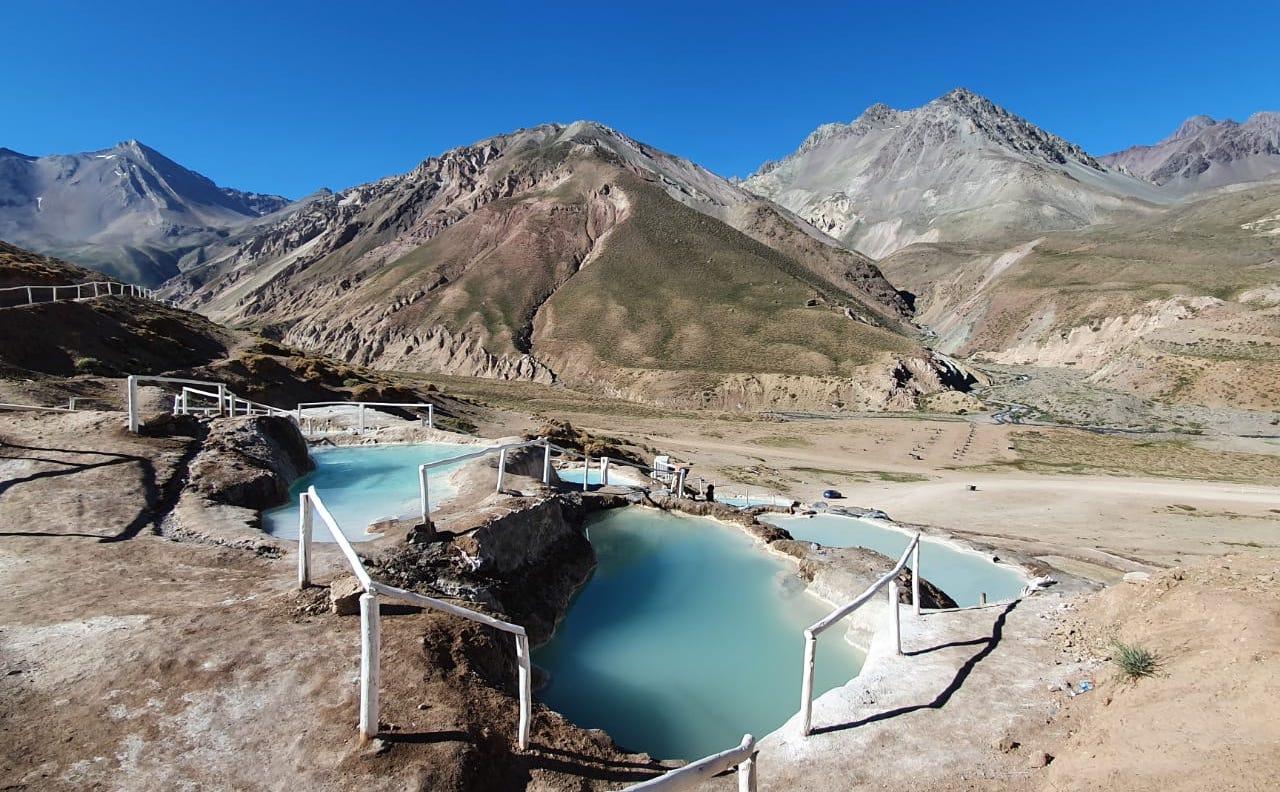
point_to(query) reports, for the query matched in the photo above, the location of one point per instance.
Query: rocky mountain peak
(1265, 120)
(1010, 130)
(1204, 153)
(127, 210)
(960, 166)
(1192, 126)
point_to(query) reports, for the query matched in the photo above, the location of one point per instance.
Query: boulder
(250, 461)
(344, 596)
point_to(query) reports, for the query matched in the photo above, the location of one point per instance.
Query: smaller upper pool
(747, 500)
(619, 475)
(963, 574)
(364, 484)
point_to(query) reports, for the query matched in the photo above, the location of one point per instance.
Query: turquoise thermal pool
(963, 574)
(687, 636)
(363, 484)
(747, 500)
(619, 475)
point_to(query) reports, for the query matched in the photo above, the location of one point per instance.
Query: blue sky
(288, 97)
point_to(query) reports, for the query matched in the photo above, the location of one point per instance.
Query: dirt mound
(109, 336)
(1206, 719)
(20, 267)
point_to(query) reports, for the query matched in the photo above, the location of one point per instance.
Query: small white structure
(670, 473)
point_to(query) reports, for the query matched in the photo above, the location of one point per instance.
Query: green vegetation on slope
(674, 289)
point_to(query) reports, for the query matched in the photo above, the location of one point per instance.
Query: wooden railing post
(132, 398)
(526, 689)
(895, 626)
(424, 498)
(586, 472)
(304, 541)
(806, 683)
(915, 578)
(747, 770)
(502, 467)
(546, 463)
(431, 416)
(370, 616)
(604, 471)
(361, 405)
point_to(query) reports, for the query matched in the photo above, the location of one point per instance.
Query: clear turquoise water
(685, 638)
(753, 499)
(626, 477)
(961, 574)
(363, 484)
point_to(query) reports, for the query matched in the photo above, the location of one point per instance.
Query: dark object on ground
(711, 493)
(973, 487)
(832, 494)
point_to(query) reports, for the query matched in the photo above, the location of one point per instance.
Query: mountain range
(127, 210)
(958, 168)
(1204, 153)
(575, 254)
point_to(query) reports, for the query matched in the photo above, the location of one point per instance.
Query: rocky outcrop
(384, 345)
(523, 557)
(249, 462)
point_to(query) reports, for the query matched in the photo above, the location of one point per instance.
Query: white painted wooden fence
(34, 407)
(695, 774)
(309, 503)
(431, 409)
(225, 402)
(32, 295)
(888, 581)
(424, 494)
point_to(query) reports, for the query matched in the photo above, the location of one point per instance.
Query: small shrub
(88, 365)
(1134, 661)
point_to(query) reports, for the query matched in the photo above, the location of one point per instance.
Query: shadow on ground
(160, 497)
(987, 646)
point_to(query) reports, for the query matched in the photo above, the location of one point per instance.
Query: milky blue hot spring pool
(687, 636)
(964, 575)
(363, 484)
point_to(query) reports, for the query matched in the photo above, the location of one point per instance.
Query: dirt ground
(1200, 502)
(129, 661)
(1207, 718)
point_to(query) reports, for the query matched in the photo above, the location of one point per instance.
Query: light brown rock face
(250, 462)
(566, 254)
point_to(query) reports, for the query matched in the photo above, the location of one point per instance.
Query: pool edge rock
(243, 465)
(249, 462)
